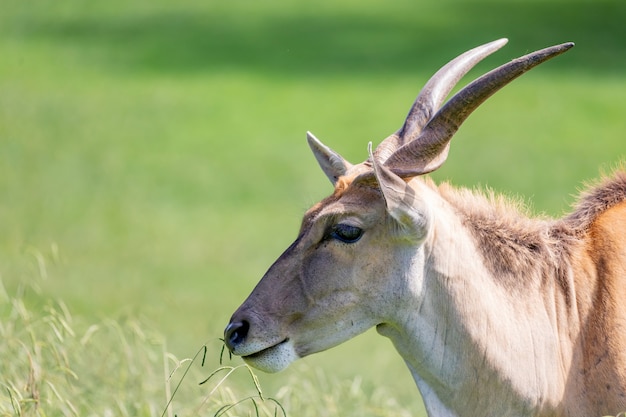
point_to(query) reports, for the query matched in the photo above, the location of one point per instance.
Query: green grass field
(153, 160)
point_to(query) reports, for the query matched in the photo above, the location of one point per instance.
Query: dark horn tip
(557, 49)
(553, 50)
(562, 47)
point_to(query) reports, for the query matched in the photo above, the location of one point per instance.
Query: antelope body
(495, 313)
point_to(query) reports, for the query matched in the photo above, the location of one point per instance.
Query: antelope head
(360, 258)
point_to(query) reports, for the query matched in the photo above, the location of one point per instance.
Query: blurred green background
(153, 160)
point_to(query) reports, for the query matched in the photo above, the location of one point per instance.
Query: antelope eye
(346, 233)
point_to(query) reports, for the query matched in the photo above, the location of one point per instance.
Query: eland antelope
(495, 313)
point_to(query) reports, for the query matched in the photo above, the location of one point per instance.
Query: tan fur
(586, 253)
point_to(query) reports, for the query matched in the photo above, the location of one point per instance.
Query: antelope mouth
(274, 358)
(264, 351)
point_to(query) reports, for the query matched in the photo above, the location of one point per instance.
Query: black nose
(235, 334)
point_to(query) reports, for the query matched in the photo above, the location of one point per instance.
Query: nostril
(236, 333)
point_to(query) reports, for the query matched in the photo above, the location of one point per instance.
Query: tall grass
(57, 364)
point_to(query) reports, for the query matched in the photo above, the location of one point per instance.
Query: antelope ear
(333, 164)
(401, 201)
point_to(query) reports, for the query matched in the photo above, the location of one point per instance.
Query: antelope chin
(274, 358)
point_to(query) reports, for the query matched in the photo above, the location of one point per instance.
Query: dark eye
(346, 233)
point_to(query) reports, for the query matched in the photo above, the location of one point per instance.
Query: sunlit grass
(58, 364)
(55, 363)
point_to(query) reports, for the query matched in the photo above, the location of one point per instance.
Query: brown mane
(596, 199)
(521, 249)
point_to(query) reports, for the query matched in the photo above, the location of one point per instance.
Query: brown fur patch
(342, 184)
(603, 357)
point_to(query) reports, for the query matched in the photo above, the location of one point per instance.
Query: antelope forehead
(364, 213)
(355, 199)
(361, 196)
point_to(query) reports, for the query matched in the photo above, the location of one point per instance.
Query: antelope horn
(432, 96)
(429, 150)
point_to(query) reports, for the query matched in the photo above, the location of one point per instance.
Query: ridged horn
(429, 150)
(432, 96)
